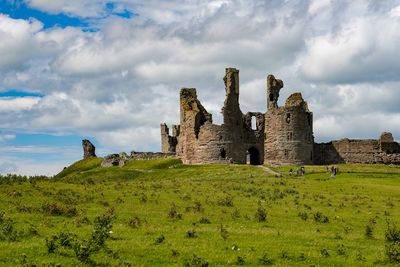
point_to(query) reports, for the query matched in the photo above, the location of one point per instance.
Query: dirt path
(268, 170)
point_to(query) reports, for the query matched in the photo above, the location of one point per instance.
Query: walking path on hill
(265, 168)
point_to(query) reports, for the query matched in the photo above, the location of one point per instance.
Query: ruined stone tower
(282, 135)
(89, 150)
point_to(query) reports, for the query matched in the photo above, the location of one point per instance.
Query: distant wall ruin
(375, 151)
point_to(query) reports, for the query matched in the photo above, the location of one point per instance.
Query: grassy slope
(148, 190)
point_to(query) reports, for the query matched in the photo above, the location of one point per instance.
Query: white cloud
(317, 6)
(359, 51)
(395, 12)
(8, 104)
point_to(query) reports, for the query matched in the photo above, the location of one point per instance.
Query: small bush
(320, 217)
(159, 240)
(392, 233)
(261, 215)
(204, 220)
(55, 209)
(191, 234)
(240, 260)
(83, 248)
(7, 230)
(226, 201)
(392, 247)
(324, 252)
(265, 260)
(173, 213)
(83, 251)
(195, 261)
(102, 229)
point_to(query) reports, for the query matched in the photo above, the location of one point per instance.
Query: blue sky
(111, 71)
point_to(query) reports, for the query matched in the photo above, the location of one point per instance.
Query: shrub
(392, 247)
(191, 233)
(102, 229)
(83, 251)
(56, 209)
(240, 260)
(159, 240)
(83, 248)
(226, 201)
(195, 261)
(265, 260)
(204, 220)
(261, 215)
(320, 217)
(197, 207)
(173, 213)
(324, 252)
(7, 230)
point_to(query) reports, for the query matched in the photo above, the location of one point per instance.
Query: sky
(111, 71)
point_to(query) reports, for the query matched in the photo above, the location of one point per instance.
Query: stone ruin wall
(289, 129)
(169, 142)
(201, 141)
(374, 151)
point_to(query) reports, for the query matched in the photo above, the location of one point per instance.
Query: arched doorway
(253, 156)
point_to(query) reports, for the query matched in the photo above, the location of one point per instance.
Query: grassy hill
(161, 212)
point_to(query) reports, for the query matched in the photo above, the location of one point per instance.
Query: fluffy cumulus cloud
(117, 82)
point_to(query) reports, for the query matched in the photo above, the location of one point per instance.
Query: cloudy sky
(111, 71)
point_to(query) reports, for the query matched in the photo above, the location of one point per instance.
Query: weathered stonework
(89, 150)
(282, 135)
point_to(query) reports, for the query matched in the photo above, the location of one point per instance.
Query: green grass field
(168, 214)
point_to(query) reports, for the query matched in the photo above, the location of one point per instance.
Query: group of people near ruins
(298, 171)
(334, 170)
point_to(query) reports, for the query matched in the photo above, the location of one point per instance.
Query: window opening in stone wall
(289, 136)
(222, 153)
(286, 154)
(271, 97)
(288, 117)
(253, 123)
(311, 158)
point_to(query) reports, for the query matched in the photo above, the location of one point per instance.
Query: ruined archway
(253, 156)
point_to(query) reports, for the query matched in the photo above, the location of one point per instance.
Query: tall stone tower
(288, 129)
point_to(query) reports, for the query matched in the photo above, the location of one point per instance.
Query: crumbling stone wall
(373, 151)
(201, 141)
(289, 129)
(168, 142)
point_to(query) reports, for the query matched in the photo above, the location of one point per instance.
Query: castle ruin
(282, 135)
